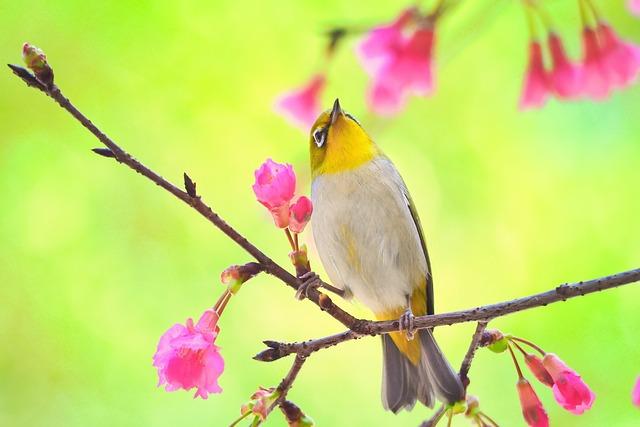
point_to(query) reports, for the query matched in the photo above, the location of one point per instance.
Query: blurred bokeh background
(96, 263)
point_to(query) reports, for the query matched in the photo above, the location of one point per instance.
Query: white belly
(366, 237)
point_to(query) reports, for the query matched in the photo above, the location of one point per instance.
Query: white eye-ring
(320, 136)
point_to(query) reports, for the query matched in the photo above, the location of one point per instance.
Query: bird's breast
(365, 234)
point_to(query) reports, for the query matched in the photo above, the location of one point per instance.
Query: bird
(372, 247)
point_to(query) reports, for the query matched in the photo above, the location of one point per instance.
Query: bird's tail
(404, 382)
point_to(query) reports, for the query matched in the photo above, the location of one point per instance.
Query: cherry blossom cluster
(608, 62)
(399, 58)
(568, 388)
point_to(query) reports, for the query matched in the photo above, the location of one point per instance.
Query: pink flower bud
(532, 409)
(187, 356)
(635, 393)
(569, 390)
(621, 59)
(535, 366)
(259, 403)
(634, 6)
(300, 214)
(535, 87)
(302, 106)
(274, 186)
(35, 59)
(595, 78)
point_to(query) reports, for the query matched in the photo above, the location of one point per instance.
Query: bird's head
(338, 143)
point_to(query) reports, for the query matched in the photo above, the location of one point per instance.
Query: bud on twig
(190, 186)
(104, 152)
(294, 415)
(35, 59)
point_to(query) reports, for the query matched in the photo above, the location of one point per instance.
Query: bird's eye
(320, 136)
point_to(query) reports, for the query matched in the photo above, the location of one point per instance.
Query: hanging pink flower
(569, 390)
(620, 58)
(535, 87)
(634, 6)
(635, 393)
(564, 77)
(532, 409)
(187, 356)
(595, 77)
(536, 367)
(383, 42)
(302, 106)
(399, 60)
(274, 186)
(300, 214)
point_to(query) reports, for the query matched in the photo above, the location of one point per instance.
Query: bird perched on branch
(371, 244)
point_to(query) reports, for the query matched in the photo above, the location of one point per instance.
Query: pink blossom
(536, 367)
(535, 87)
(621, 59)
(569, 390)
(564, 77)
(532, 409)
(303, 105)
(595, 77)
(274, 186)
(300, 214)
(634, 6)
(187, 356)
(399, 61)
(383, 42)
(635, 393)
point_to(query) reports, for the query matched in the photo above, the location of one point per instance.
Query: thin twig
(464, 370)
(287, 381)
(471, 352)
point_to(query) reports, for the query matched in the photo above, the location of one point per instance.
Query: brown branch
(286, 383)
(320, 299)
(484, 313)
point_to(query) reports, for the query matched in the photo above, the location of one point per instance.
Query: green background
(96, 263)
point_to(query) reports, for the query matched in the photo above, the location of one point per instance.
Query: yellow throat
(338, 143)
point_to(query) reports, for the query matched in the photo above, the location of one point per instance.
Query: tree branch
(483, 314)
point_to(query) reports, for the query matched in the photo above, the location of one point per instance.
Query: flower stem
(488, 418)
(296, 242)
(530, 20)
(524, 353)
(242, 417)
(515, 361)
(222, 302)
(450, 412)
(530, 344)
(288, 233)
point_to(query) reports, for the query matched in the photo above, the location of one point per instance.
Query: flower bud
(274, 186)
(569, 390)
(36, 60)
(532, 409)
(537, 369)
(300, 214)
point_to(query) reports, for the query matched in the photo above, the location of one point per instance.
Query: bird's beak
(336, 111)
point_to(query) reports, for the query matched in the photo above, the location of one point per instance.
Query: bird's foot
(407, 324)
(310, 280)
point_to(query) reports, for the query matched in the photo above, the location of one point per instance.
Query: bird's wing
(416, 221)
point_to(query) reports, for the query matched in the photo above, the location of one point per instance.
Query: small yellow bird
(372, 247)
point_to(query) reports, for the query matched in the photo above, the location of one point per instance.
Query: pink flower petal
(569, 390)
(535, 86)
(621, 59)
(635, 393)
(274, 186)
(300, 214)
(564, 77)
(634, 6)
(187, 357)
(302, 106)
(596, 82)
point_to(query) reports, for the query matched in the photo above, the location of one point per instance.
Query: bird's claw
(310, 280)
(407, 324)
